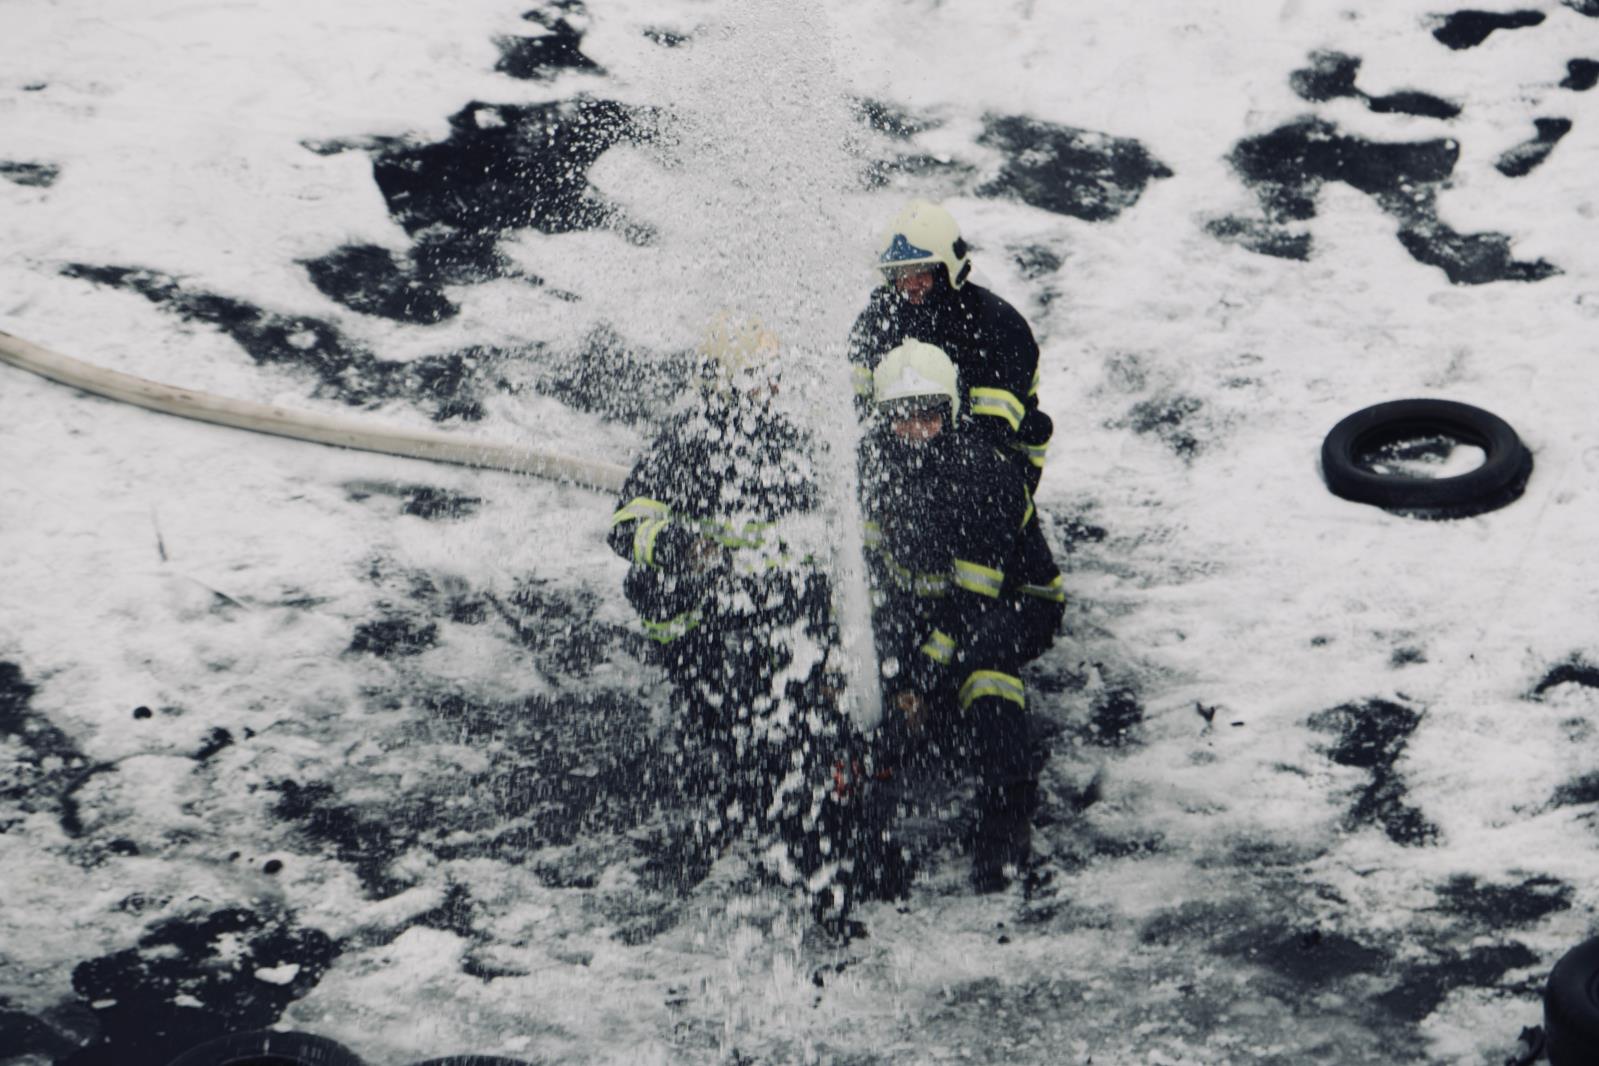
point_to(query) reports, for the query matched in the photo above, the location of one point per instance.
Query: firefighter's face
(917, 426)
(914, 286)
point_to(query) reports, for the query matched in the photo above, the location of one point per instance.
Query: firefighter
(725, 603)
(927, 295)
(965, 592)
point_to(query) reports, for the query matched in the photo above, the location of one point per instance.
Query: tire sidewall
(1498, 481)
(302, 1048)
(1571, 1007)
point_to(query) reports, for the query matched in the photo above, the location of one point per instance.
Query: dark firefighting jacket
(965, 587)
(697, 520)
(992, 348)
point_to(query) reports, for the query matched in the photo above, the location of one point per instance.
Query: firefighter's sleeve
(1008, 403)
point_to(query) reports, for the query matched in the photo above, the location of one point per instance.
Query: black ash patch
(1311, 956)
(395, 636)
(1581, 75)
(1069, 171)
(24, 1035)
(1066, 531)
(449, 385)
(426, 502)
(45, 765)
(1413, 102)
(542, 57)
(1288, 166)
(665, 38)
(1170, 419)
(559, 627)
(506, 167)
(1331, 75)
(367, 839)
(33, 175)
(944, 171)
(1424, 987)
(1529, 155)
(191, 980)
(1036, 261)
(1584, 7)
(1511, 906)
(606, 376)
(1114, 717)
(368, 279)
(1470, 259)
(890, 119)
(216, 741)
(1468, 29)
(1372, 736)
(562, 770)
(1578, 792)
(1262, 238)
(422, 501)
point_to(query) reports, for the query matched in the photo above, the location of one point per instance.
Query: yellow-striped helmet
(925, 234)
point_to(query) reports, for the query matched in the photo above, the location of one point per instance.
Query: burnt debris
(368, 279)
(506, 167)
(1529, 155)
(1288, 166)
(1372, 736)
(193, 979)
(1581, 75)
(1332, 75)
(1068, 171)
(35, 175)
(1468, 29)
(449, 386)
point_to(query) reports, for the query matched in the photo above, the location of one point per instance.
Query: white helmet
(734, 348)
(917, 369)
(923, 234)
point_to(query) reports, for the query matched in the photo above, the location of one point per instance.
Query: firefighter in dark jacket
(965, 592)
(926, 295)
(723, 598)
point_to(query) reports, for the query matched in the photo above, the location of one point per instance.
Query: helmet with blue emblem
(923, 236)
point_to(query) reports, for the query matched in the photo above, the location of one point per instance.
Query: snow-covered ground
(360, 745)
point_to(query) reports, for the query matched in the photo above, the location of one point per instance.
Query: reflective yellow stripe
(863, 380)
(644, 538)
(983, 580)
(749, 535)
(940, 647)
(873, 534)
(1027, 515)
(669, 630)
(1035, 452)
(920, 584)
(640, 507)
(1055, 591)
(999, 404)
(985, 683)
(1033, 390)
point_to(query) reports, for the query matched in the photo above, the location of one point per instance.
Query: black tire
(264, 1047)
(1498, 481)
(1571, 1007)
